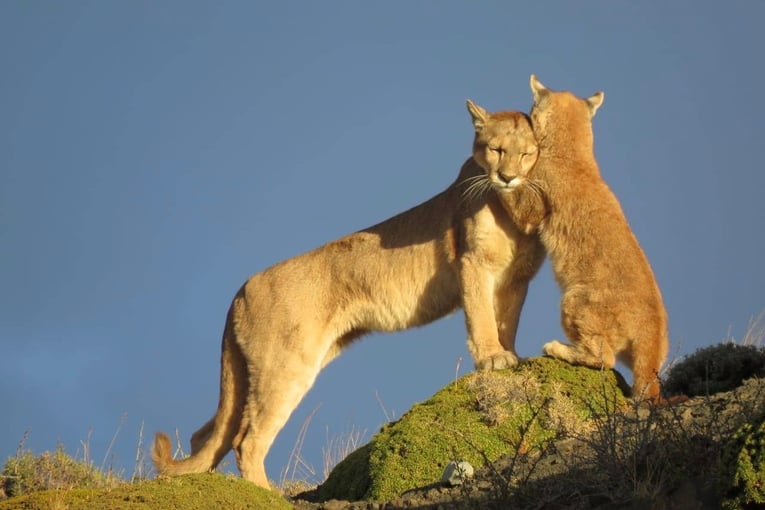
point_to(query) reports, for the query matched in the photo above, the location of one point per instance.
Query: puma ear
(537, 88)
(478, 114)
(594, 102)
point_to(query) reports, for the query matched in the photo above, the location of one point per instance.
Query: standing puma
(611, 306)
(286, 323)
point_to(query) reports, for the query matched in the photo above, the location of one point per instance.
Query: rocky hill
(548, 435)
(543, 435)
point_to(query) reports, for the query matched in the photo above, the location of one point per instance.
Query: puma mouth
(505, 186)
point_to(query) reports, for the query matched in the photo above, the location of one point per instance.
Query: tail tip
(162, 452)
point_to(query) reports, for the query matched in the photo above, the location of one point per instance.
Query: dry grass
(299, 475)
(26, 472)
(755, 331)
(500, 399)
(642, 454)
(339, 446)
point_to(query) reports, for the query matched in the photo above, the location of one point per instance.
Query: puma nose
(505, 178)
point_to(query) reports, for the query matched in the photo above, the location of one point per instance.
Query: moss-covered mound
(203, 491)
(479, 418)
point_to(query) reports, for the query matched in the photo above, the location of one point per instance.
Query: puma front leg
(508, 303)
(484, 344)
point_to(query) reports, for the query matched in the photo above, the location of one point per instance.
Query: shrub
(744, 464)
(715, 369)
(26, 473)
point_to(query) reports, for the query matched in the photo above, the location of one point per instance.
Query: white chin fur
(505, 187)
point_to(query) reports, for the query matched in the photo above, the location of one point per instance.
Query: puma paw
(553, 349)
(499, 361)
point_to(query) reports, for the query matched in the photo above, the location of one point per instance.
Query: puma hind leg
(272, 398)
(646, 358)
(200, 437)
(586, 330)
(591, 351)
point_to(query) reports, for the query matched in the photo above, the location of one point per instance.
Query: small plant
(636, 451)
(715, 369)
(26, 473)
(744, 467)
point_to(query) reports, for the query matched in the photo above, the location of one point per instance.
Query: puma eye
(498, 150)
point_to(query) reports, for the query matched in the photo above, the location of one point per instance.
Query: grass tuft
(26, 473)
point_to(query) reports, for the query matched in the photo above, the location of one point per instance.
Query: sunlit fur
(287, 322)
(611, 306)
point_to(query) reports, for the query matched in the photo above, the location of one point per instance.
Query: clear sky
(153, 155)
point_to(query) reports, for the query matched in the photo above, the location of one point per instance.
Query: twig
(382, 406)
(295, 458)
(114, 439)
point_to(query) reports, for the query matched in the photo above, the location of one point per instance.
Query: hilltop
(543, 435)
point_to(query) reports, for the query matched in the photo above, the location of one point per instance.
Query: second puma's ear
(594, 102)
(537, 88)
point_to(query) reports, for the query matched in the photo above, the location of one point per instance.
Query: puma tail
(162, 455)
(215, 439)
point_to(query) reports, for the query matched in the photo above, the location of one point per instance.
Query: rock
(456, 473)
(478, 418)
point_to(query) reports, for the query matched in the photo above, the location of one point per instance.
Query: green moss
(190, 492)
(744, 465)
(464, 421)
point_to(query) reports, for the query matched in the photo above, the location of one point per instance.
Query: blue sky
(153, 155)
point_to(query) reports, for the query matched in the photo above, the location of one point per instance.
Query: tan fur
(611, 306)
(287, 322)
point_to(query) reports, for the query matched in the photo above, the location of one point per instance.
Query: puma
(611, 306)
(289, 321)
